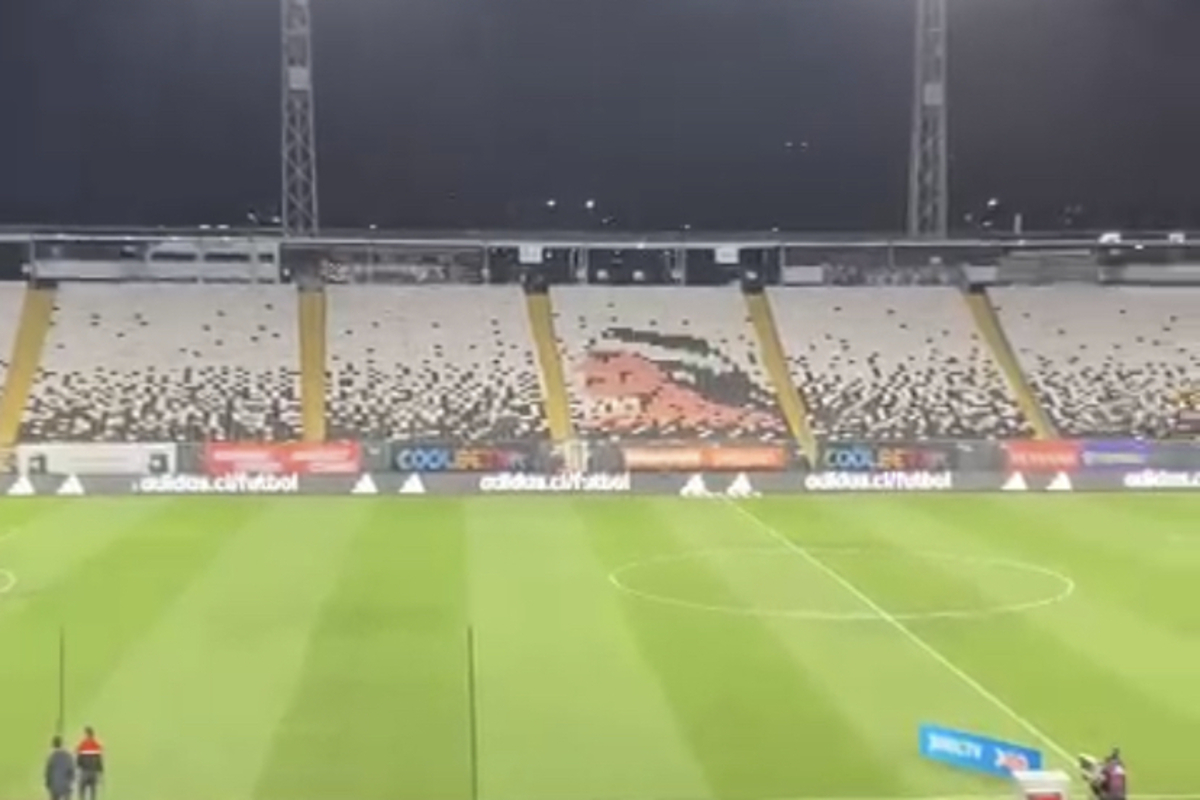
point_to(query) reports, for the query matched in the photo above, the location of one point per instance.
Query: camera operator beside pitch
(1106, 778)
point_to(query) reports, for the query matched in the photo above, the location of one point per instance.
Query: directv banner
(96, 459)
(977, 753)
(664, 484)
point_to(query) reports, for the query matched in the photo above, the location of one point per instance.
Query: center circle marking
(617, 579)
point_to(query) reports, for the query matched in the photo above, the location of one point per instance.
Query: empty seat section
(1106, 361)
(895, 363)
(156, 362)
(12, 295)
(454, 363)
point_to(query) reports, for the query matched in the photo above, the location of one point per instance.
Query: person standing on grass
(60, 771)
(89, 758)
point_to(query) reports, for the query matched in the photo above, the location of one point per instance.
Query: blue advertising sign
(977, 753)
(890, 457)
(449, 458)
(1122, 454)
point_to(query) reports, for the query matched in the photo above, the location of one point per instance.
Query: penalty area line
(912, 637)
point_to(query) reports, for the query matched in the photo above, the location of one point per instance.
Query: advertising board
(977, 753)
(568, 482)
(1031, 455)
(1161, 479)
(115, 458)
(887, 457)
(294, 458)
(879, 481)
(433, 457)
(704, 457)
(1122, 454)
(653, 484)
(233, 483)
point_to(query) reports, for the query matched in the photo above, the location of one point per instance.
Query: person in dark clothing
(89, 759)
(1106, 778)
(60, 772)
(1112, 777)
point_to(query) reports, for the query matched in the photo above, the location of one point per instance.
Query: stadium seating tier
(162, 362)
(895, 363)
(1106, 361)
(446, 362)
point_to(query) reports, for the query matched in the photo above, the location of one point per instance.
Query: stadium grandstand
(869, 347)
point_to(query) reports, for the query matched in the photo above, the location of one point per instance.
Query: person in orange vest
(89, 760)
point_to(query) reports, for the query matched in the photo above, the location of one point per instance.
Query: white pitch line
(907, 633)
(979, 797)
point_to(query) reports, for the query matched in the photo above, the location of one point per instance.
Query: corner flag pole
(62, 681)
(472, 714)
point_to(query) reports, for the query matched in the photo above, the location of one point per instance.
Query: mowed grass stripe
(104, 570)
(883, 686)
(195, 703)
(380, 711)
(760, 723)
(1055, 666)
(567, 708)
(1126, 545)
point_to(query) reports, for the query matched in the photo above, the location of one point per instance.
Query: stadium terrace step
(312, 363)
(989, 328)
(26, 357)
(790, 396)
(554, 389)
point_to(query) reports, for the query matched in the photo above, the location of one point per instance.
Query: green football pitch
(619, 648)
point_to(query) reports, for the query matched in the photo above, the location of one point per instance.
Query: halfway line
(905, 631)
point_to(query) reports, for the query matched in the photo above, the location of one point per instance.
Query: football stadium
(297, 514)
(617, 542)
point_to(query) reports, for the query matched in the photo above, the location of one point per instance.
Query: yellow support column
(790, 397)
(554, 387)
(312, 363)
(36, 313)
(988, 325)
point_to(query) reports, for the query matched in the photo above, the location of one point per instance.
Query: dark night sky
(470, 113)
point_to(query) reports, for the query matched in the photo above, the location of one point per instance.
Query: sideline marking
(1068, 589)
(8, 578)
(907, 633)
(979, 797)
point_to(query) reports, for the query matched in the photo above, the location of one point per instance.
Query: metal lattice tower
(299, 149)
(928, 169)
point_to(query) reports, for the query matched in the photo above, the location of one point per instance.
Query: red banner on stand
(1042, 456)
(290, 458)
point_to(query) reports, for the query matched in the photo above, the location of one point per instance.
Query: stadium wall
(689, 470)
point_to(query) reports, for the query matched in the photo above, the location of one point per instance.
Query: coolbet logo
(239, 483)
(565, 482)
(871, 458)
(879, 481)
(465, 459)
